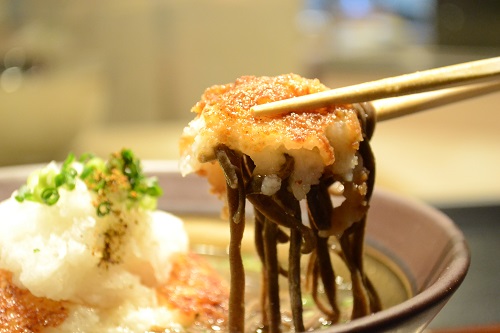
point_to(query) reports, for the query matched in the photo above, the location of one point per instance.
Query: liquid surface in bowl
(209, 236)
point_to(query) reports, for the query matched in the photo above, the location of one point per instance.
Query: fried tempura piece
(324, 138)
(196, 292)
(22, 312)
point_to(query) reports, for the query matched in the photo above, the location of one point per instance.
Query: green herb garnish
(50, 196)
(43, 185)
(103, 208)
(119, 180)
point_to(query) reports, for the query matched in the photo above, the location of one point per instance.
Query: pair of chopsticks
(401, 95)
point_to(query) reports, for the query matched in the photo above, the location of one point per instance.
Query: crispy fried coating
(196, 291)
(327, 137)
(227, 116)
(21, 311)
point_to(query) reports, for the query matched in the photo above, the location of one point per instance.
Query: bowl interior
(423, 244)
(424, 248)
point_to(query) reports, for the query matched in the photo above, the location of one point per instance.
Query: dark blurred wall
(473, 23)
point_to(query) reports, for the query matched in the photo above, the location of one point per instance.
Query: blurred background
(101, 75)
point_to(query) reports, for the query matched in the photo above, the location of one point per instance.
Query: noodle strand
(272, 274)
(281, 211)
(236, 204)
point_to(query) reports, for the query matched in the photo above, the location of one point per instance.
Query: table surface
(477, 301)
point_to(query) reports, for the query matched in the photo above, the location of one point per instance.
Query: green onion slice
(101, 177)
(50, 196)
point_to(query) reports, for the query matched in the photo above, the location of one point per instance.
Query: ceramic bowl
(424, 247)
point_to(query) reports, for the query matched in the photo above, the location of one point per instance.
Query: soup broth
(209, 236)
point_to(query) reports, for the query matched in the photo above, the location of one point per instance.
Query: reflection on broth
(209, 236)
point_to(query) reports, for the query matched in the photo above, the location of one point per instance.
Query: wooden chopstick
(432, 79)
(394, 107)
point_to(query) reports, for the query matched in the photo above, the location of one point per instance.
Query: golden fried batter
(196, 291)
(315, 138)
(22, 312)
(226, 111)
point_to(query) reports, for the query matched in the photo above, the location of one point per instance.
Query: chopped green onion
(127, 155)
(99, 185)
(22, 193)
(50, 196)
(69, 159)
(71, 183)
(118, 180)
(104, 208)
(60, 179)
(87, 171)
(85, 157)
(154, 190)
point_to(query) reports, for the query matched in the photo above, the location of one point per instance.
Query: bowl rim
(433, 295)
(436, 293)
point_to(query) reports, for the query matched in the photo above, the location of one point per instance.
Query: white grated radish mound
(55, 251)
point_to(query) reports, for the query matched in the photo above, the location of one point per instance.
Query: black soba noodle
(278, 220)
(279, 215)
